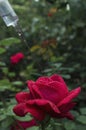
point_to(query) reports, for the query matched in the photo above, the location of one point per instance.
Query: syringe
(7, 13)
(11, 19)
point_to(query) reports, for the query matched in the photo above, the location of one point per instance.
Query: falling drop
(21, 34)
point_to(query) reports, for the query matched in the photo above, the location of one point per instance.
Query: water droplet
(21, 34)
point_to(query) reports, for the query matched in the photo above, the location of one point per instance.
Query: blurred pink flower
(16, 58)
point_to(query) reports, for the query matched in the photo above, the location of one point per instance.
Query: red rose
(14, 59)
(47, 96)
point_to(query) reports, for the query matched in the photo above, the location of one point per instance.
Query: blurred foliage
(55, 31)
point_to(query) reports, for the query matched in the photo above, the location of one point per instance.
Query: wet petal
(66, 115)
(67, 107)
(41, 107)
(69, 116)
(20, 109)
(71, 95)
(22, 97)
(54, 91)
(34, 90)
(30, 83)
(37, 108)
(43, 80)
(58, 78)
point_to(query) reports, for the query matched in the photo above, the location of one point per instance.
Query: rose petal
(66, 115)
(58, 78)
(54, 91)
(67, 107)
(69, 116)
(34, 91)
(43, 80)
(30, 83)
(14, 59)
(20, 109)
(22, 97)
(39, 107)
(71, 95)
(20, 55)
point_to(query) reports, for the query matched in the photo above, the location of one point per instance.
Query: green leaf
(80, 127)
(20, 8)
(33, 128)
(83, 110)
(4, 84)
(74, 113)
(2, 117)
(9, 41)
(66, 76)
(82, 119)
(47, 70)
(9, 111)
(58, 65)
(2, 50)
(17, 83)
(25, 118)
(11, 74)
(5, 70)
(69, 125)
(7, 122)
(2, 63)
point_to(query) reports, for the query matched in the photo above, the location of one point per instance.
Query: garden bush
(55, 31)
